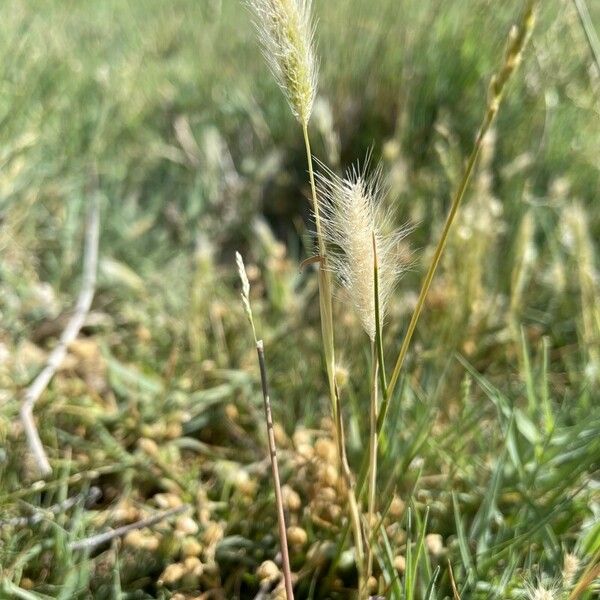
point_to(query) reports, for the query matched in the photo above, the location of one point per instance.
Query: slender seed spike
(245, 290)
(243, 276)
(286, 35)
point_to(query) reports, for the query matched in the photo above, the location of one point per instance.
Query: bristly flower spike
(286, 35)
(357, 230)
(542, 593)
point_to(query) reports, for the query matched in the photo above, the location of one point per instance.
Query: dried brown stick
(260, 350)
(57, 356)
(94, 541)
(285, 558)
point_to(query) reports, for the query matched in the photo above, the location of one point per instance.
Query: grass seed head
(268, 571)
(400, 563)
(397, 507)
(291, 499)
(297, 536)
(355, 226)
(190, 547)
(541, 592)
(142, 541)
(434, 543)
(286, 35)
(186, 525)
(571, 565)
(172, 574)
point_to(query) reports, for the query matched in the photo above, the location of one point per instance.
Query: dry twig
(94, 541)
(84, 301)
(260, 351)
(287, 573)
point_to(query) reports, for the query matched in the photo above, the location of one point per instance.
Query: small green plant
(352, 244)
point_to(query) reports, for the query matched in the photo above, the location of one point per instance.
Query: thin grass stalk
(326, 312)
(285, 557)
(378, 325)
(350, 488)
(99, 539)
(378, 368)
(455, 594)
(372, 461)
(325, 293)
(313, 189)
(286, 35)
(260, 351)
(374, 437)
(325, 290)
(517, 42)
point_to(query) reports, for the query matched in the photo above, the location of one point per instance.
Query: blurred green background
(167, 113)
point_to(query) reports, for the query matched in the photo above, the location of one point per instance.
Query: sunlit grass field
(165, 114)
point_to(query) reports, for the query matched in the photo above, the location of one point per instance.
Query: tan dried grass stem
(327, 332)
(285, 558)
(286, 35)
(97, 540)
(517, 41)
(260, 351)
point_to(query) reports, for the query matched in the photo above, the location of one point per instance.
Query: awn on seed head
(542, 593)
(286, 34)
(356, 226)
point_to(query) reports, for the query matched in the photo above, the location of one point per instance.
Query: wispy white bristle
(542, 593)
(543, 589)
(571, 565)
(352, 218)
(286, 34)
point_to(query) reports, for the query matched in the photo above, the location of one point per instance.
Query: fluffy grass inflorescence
(542, 592)
(357, 229)
(286, 34)
(571, 564)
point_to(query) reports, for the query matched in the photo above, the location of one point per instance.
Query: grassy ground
(165, 112)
